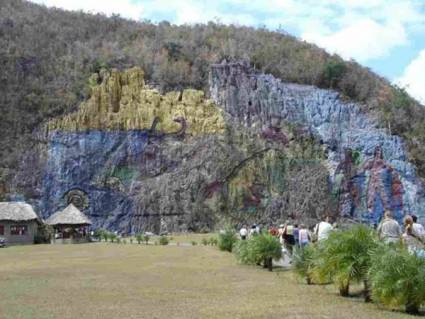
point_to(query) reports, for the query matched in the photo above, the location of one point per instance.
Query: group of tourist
(293, 235)
(413, 236)
(244, 233)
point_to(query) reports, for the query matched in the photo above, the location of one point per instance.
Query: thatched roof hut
(17, 211)
(18, 222)
(69, 216)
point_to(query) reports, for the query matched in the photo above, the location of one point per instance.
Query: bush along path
(102, 235)
(390, 275)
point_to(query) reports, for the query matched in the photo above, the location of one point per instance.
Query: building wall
(28, 238)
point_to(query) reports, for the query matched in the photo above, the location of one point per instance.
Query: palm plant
(112, 237)
(213, 241)
(99, 234)
(227, 239)
(139, 238)
(303, 261)
(345, 257)
(146, 239)
(398, 278)
(163, 240)
(243, 252)
(105, 235)
(264, 248)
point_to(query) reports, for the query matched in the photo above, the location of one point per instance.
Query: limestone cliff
(260, 151)
(368, 167)
(122, 101)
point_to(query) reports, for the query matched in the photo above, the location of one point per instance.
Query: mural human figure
(346, 187)
(384, 186)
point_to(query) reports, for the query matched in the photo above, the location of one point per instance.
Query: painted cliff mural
(258, 150)
(368, 168)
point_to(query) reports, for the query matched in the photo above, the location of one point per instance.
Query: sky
(387, 36)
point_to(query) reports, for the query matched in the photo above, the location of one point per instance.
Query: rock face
(122, 102)
(260, 151)
(369, 184)
(123, 160)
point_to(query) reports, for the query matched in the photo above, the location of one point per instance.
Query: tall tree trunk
(308, 279)
(268, 263)
(344, 290)
(412, 308)
(367, 297)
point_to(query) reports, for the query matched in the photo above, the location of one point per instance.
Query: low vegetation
(390, 274)
(259, 249)
(398, 279)
(100, 280)
(227, 239)
(163, 240)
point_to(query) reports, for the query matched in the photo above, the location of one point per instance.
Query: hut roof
(69, 216)
(16, 211)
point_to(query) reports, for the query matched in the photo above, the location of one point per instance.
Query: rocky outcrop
(119, 159)
(120, 101)
(260, 151)
(388, 182)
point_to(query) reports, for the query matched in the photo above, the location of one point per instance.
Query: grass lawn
(137, 281)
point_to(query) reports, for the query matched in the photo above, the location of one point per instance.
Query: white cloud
(414, 77)
(126, 8)
(363, 39)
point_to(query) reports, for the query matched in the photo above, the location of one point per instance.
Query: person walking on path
(280, 230)
(304, 236)
(288, 236)
(389, 230)
(323, 229)
(243, 232)
(296, 235)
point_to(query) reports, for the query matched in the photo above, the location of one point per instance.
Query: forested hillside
(47, 55)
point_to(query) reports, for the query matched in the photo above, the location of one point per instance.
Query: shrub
(265, 248)
(227, 239)
(99, 233)
(333, 72)
(244, 252)
(105, 235)
(213, 241)
(131, 240)
(112, 237)
(194, 243)
(398, 278)
(139, 238)
(44, 234)
(258, 249)
(163, 240)
(303, 262)
(345, 257)
(146, 239)
(118, 240)
(205, 241)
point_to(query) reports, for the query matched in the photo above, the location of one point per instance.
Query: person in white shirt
(418, 229)
(323, 229)
(388, 229)
(243, 232)
(253, 230)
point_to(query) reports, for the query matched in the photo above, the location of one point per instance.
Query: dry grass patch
(138, 281)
